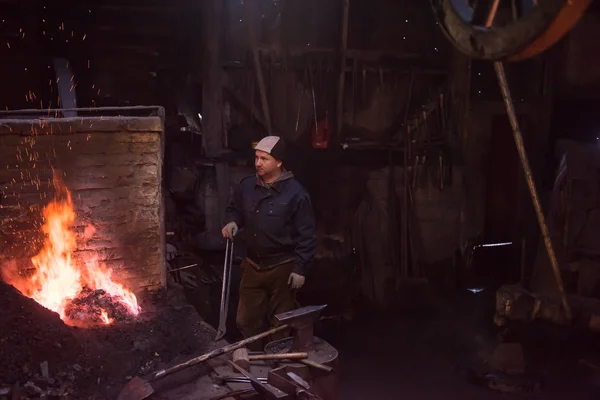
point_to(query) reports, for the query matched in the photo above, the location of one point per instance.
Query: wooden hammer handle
(216, 353)
(278, 356)
(317, 365)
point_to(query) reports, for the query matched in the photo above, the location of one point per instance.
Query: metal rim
(495, 43)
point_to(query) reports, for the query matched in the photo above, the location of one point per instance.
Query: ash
(87, 307)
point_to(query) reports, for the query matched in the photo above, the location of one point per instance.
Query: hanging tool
(312, 85)
(405, 162)
(301, 99)
(225, 291)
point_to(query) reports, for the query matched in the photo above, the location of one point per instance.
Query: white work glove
(296, 281)
(229, 230)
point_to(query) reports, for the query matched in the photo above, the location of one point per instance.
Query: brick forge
(112, 166)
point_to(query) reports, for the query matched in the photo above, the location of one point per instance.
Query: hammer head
(240, 357)
(301, 321)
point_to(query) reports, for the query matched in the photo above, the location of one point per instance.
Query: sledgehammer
(242, 358)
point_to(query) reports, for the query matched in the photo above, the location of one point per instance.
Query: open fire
(83, 294)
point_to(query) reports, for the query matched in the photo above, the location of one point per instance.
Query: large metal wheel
(507, 30)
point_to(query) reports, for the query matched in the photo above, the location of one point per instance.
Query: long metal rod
(512, 116)
(225, 291)
(490, 19)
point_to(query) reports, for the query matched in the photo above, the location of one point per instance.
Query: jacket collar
(285, 175)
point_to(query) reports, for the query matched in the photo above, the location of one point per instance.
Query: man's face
(265, 164)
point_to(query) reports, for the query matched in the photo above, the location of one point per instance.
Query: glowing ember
(58, 282)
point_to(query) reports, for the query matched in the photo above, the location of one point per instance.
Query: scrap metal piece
(268, 391)
(296, 378)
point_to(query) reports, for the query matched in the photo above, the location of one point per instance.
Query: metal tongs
(225, 291)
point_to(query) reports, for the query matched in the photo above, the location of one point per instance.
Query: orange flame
(57, 279)
(105, 318)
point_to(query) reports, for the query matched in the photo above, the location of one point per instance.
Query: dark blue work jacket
(278, 222)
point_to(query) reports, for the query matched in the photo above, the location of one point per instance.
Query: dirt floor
(428, 346)
(440, 348)
(92, 363)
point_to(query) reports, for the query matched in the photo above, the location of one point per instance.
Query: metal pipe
(236, 379)
(512, 116)
(492, 14)
(182, 268)
(493, 245)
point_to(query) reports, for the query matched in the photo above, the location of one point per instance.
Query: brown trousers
(263, 291)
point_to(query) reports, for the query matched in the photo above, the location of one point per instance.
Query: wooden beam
(212, 77)
(342, 55)
(257, 66)
(361, 54)
(249, 12)
(232, 65)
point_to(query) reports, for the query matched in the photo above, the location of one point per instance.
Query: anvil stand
(323, 383)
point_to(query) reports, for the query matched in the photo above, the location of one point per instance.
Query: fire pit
(82, 211)
(84, 305)
(83, 294)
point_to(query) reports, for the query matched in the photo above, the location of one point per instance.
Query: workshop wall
(112, 166)
(434, 239)
(582, 60)
(299, 48)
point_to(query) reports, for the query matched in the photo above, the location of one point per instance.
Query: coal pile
(96, 307)
(42, 357)
(29, 335)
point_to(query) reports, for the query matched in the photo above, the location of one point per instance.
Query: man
(276, 214)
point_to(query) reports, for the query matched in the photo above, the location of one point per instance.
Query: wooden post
(257, 66)
(343, 47)
(212, 80)
(512, 116)
(405, 201)
(212, 122)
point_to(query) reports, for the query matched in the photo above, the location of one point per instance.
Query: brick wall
(113, 168)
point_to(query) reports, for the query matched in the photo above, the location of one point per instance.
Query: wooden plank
(64, 126)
